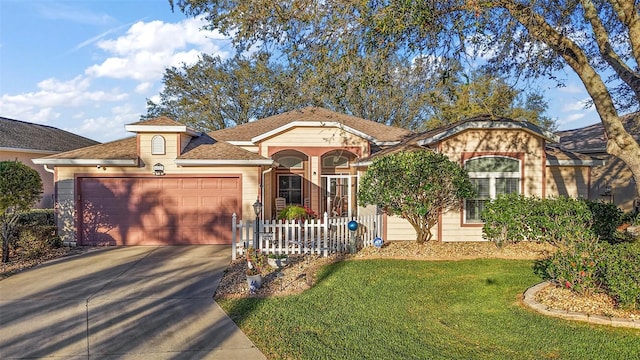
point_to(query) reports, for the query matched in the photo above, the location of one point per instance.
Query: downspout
(46, 168)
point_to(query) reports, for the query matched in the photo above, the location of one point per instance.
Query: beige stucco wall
(301, 137)
(616, 174)
(486, 142)
(572, 181)
(47, 178)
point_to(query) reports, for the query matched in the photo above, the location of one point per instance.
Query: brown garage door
(157, 211)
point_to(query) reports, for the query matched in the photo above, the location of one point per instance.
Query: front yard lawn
(404, 309)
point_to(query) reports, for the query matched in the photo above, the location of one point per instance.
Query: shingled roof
(246, 132)
(202, 148)
(592, 138)
(21, 135)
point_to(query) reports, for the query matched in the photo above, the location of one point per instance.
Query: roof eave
(25, 150)
(85, 162)
(223, 162)
(162, 129)
(575, 162)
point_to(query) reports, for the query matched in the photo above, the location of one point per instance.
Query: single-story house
(612, 180)
(23, 141)
(170, 184)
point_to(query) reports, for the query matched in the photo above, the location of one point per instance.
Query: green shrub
(514, 218)
(621, 274)
(576, 264)
(32, 247)
(43, 217)
(606, 219)
(36, 233)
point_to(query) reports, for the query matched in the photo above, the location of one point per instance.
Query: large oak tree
(598, 40)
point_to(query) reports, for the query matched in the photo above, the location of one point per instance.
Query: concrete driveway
(138, 302)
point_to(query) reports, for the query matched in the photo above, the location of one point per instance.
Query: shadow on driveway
(125, 302)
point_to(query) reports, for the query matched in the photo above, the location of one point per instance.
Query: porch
(323, 236)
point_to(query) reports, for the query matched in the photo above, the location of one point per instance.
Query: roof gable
(310, 116)
(21, 135)
(479, 123)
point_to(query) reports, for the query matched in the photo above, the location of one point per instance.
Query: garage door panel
(152, 211)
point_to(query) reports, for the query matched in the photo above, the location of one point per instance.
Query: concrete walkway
(122, 303)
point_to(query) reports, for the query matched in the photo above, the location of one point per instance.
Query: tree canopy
(599, 40)
(416, 185)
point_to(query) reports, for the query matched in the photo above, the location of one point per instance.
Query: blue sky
(88, 66)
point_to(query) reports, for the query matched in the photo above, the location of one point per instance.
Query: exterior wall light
(158, 169)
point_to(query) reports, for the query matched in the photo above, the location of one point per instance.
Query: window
(336, 161)
(491, 176)
(157, 145)
(290, 188)
(290, 162)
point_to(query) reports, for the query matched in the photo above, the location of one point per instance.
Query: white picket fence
(320, 236)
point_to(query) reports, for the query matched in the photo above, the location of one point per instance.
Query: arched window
(157, 145)
(290, 162)
(491, 176)
(335, 161)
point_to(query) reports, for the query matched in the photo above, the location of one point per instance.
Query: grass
(400, 309)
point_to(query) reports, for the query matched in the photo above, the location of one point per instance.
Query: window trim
(493, 176)
(301, 188)
(158, 145)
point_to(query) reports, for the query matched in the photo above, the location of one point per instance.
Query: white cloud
(148, 48)
(58, 11)
(575, 106)
(52, 95)
(572, 88)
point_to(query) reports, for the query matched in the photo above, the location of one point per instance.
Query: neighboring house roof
(23, 136)
(561, 157)
(593, 139)
(310, 116)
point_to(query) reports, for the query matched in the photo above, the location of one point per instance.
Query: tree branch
(625, 73)
(629, 15)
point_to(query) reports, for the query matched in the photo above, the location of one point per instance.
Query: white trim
(204, 162)
(335, 124)
(82, 162)
(162, 129)
(22, 150)
(242, 143)
(572, 162)
(158, 145)
(489, 125)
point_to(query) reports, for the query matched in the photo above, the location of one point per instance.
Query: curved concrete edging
(530, 301)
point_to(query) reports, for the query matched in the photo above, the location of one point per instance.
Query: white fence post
(233, 236)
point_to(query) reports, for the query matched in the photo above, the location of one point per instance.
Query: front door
(338, 195)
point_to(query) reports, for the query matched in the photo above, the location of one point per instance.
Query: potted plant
(277, 260)
(255, 265)
(297, 213)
